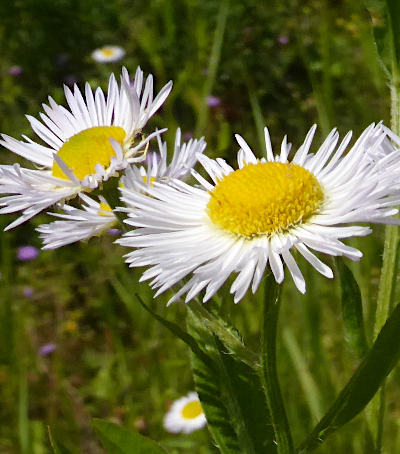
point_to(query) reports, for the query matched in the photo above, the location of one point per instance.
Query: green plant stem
(268, 370)
(387, 278)
(212, 65)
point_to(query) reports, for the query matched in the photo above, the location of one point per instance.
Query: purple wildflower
(46, 349)
(114, 232)
(283, 40)
(28, 292)
(26, 253)
(213, 101)
(15, 70)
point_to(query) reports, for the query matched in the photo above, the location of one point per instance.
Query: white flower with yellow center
(183, 160)
(108, 54)
(185, 415)
(96, 217)
(92, 142)
(253, 217)
(78, 224)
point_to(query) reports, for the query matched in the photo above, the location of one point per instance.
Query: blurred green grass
(286, 65)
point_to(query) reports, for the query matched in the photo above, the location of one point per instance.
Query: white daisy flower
(108, 54)
(85, 146)
(77, 224)
(185, 415)
(95, 218)
(183, 160)
(253, 217)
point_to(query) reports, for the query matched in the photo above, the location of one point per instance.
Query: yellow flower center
(104, 207)
(107, 51)
(86, 149)
(192, 410)
(264, 198)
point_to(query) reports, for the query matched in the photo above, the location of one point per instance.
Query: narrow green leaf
(117, 440)
(352, 310)
(231, 395)
(177, 330)
(57, 448)
(385, 15)
(363, 385)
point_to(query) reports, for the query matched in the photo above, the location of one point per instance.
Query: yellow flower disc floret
(264, 198)
(192, 410)
(86, 149)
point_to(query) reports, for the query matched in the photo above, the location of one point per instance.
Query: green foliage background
(284, 64)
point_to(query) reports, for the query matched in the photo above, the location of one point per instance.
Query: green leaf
(385, 15)
(117, 440)
(363, 385)
(57, 448)
(231, 395)
(352, 310)
(177, 330)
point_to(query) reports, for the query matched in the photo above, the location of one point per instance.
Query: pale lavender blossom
(283, 40)
(15, 70)
(213, 101)
(46, 349)
(28, 292)
(114, 232)
(26, 253)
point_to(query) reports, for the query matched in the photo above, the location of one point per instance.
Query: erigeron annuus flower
(185, 415)
(92, 142)
(108, 54)
(77, 224)
(94, 217)
(253, 217)
(156, 166)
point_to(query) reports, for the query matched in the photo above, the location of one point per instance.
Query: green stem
(212, 65)
(268, 370)
(387, 278)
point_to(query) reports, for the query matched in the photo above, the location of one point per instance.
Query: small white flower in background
(185, 415)
(108, 54)
(252, 217)
(96, 217)
(88, 144)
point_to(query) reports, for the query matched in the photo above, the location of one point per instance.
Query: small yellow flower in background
(108, 54)
(185, 415)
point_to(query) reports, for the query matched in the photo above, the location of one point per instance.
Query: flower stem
(268, 370)
(387, 280)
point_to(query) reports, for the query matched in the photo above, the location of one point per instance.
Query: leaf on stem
(363, 385)
(56, 447)
(385, 15)
(117, 440)
(352, 310)
(231, 394)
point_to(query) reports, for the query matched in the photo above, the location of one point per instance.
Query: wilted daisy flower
(185, 415)
(87, 145)
(108, 54)
(252, 217)
(96, 217)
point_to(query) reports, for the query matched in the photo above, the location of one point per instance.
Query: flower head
(94, 140)
(95, 217)
(27, 253)
(253, 217)
(46, 349)
(185, 415)
(108, 54)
